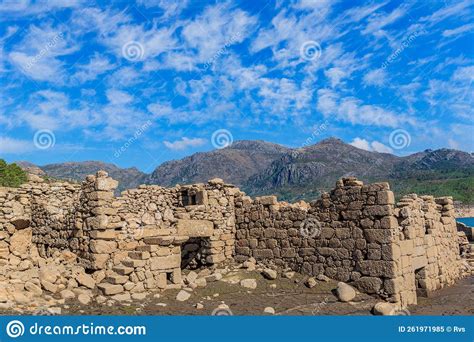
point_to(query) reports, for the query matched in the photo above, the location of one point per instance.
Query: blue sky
(136, 84)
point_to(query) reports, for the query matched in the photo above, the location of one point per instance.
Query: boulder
(84, 299)
(269, 310)
(183, 296)
(383, 309)
(269, 274)
(48, 274)
(33, 288)
(48, 286)
(322, 277)
(86, 280)
(311, 282)
(67, 294)
(345, 292)
(110, 289)
(191, 277)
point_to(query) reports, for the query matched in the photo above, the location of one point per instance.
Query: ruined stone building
(142, 239)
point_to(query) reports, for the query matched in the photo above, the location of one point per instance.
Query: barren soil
(290, 297)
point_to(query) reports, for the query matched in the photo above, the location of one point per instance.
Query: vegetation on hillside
(11, 175)
(461, 189)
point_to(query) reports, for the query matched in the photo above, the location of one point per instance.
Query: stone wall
(143, 238)
(429, 256)
(48, 209)
(356, 234)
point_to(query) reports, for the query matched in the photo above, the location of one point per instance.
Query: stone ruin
(56, 237)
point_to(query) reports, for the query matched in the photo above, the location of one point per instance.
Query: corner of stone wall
(98, 220)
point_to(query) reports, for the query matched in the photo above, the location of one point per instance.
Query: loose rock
(183, 296)
(345, 292)
(249, 283)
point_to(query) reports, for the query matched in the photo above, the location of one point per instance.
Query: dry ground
(290, 297)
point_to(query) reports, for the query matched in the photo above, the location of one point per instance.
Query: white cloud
(358, 13)
(374, 146)
(378, 21)
(459, 30)
(375, 77)
(361, 143)
(453, 96)
(42, 70)
(289, 31)
(170, 8)
(10, 145)
(379, 147)
(160, 110)
(124, 77)
(37, 54)
(353, 110)
(335, 75)
(459, 9)
(118, 97)
(184, 143)
(217, 27)
(97, 65)
(28, 7)
(47, 109)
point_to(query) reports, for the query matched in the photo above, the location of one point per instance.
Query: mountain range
(260, 167)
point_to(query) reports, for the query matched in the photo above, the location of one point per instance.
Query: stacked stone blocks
(142, 239)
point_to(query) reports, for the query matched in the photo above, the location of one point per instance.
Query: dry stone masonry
(72, 240)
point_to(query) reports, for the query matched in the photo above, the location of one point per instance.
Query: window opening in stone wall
(169, 278)
(191, 197)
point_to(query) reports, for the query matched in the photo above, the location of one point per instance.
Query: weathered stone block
(385, 197)
(368, 284)
(105, 184)
(288, 252)
(406, 247)
(419, 262)
(166, 262)
(21, 242)
(378, 268)
(263, 254)
(195, 228)
(103, 246)
(110, 289)
(103, 234)
(379, 236)
(267, 200)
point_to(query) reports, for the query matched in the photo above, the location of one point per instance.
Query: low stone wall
(356, 234)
